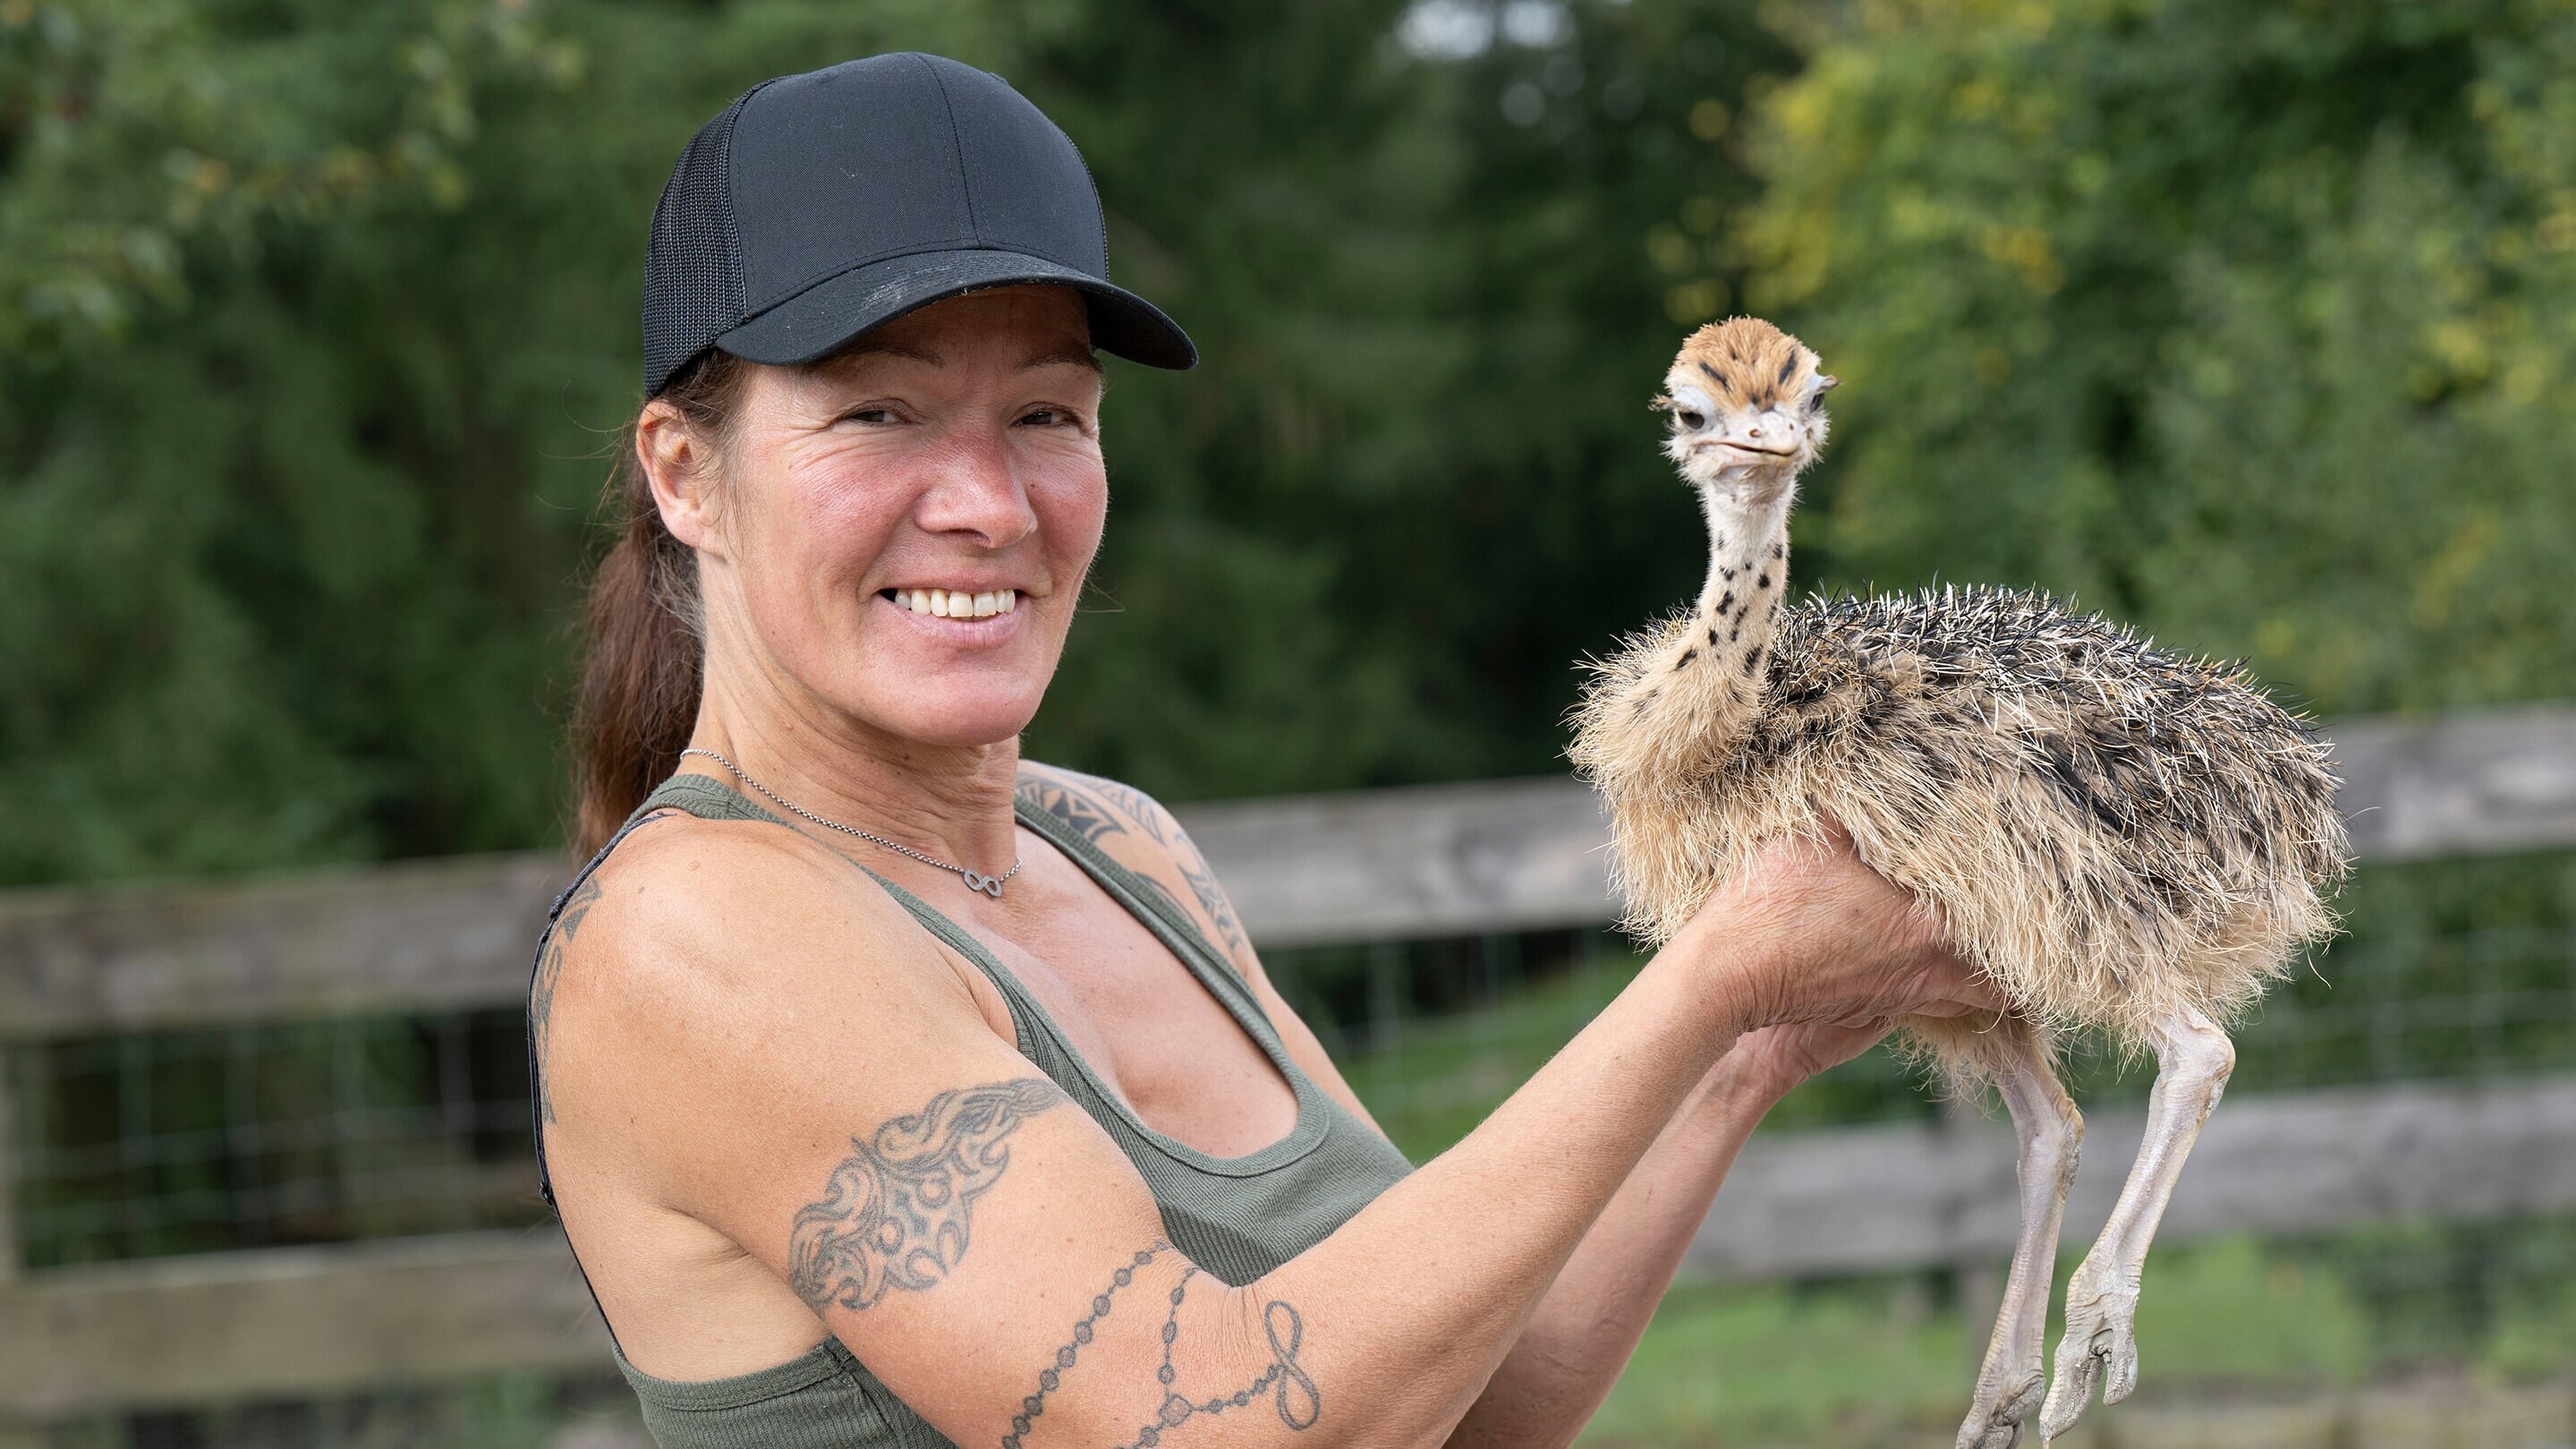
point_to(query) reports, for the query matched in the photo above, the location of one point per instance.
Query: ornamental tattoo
(541, 994)
(900, 1206)
(1096, 809)
(1290, 1391)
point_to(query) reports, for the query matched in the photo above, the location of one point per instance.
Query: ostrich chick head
(1747, 406)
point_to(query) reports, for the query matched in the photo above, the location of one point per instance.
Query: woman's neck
(953, 802)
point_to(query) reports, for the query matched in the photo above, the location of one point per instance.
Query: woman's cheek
(1070, 495)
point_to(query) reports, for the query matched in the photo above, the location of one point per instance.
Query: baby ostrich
(2118, 837)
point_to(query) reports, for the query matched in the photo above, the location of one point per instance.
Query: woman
(893, 1089)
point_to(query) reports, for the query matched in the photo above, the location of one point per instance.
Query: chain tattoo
(1293, 1394)
(899, 1208)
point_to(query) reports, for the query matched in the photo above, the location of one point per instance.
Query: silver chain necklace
(990, 885)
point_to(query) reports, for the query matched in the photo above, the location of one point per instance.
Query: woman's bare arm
(1579, 1338)
(826, 1094)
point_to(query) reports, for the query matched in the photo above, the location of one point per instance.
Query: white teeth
(944, 604)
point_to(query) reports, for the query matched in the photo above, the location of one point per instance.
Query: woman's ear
(680, 470)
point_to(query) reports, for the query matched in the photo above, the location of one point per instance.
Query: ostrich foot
(2051, 1131)
(2193, 1059)
(2100, 1348)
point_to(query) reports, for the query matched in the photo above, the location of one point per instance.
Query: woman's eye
(1690, 421)
(873, 414)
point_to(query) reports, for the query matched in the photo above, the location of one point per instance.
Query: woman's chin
(950, 712)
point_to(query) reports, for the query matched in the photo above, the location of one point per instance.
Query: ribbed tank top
(1236, 1217)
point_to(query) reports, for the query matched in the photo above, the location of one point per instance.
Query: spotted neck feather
(1720, 660)
(1681, 702)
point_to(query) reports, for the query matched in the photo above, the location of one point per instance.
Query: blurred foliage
(320, 321)
(2249, 322)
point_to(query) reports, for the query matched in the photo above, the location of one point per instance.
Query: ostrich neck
(1683, 703)
(1748, 576)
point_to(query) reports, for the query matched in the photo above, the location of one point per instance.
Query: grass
(1881, 1362)
(1889, 1361)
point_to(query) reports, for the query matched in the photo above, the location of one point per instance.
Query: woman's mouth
(953, 603)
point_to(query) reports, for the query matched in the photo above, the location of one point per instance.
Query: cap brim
(820, 319)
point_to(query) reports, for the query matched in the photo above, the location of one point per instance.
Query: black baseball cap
(817, 206)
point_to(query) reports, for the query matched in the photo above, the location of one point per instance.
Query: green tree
(2246, 323)
(1415, 479)
(320, 322)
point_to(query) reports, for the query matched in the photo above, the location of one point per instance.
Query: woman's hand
(1815, 938)
(1776, 1059)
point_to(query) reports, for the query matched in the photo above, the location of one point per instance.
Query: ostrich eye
(1690, 421)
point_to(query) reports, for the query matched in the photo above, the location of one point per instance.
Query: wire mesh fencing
(369, 1126)
(346, 1128)
(1433, 1035)
(335, 1130)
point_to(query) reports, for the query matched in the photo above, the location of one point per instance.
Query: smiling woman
(800, 1070)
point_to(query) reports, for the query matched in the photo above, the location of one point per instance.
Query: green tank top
(1236, 1217)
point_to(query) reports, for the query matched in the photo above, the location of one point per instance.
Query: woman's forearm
(1586, 1327)
(1414, 1302)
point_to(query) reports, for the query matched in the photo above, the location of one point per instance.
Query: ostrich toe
(2100, 1348)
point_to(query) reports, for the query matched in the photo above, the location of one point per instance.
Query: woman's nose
(979, 491)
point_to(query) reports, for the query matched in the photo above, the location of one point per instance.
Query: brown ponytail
(644, 635)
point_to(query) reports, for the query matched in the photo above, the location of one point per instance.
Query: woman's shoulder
(1096, 807)
(679, 875)
(698, 920)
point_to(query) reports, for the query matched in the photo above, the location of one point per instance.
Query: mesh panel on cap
(693, 289)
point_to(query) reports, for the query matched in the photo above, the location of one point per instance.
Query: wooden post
(14, 1433)
(1976, 1278)
(12, 1257)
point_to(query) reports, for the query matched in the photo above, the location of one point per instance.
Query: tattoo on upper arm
(899, 1208)
(1220, 911)
(1291, 1392)
(541, 992)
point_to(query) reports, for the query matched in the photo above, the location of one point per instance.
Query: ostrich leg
(2052, 1137)
(2193, 1059)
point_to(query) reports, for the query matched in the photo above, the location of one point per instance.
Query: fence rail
(1384, 864)
(1853, 1199)
(1412, 863)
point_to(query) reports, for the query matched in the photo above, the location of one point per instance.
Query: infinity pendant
(990, 885)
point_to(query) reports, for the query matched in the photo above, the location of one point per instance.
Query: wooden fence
(1445, 860)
